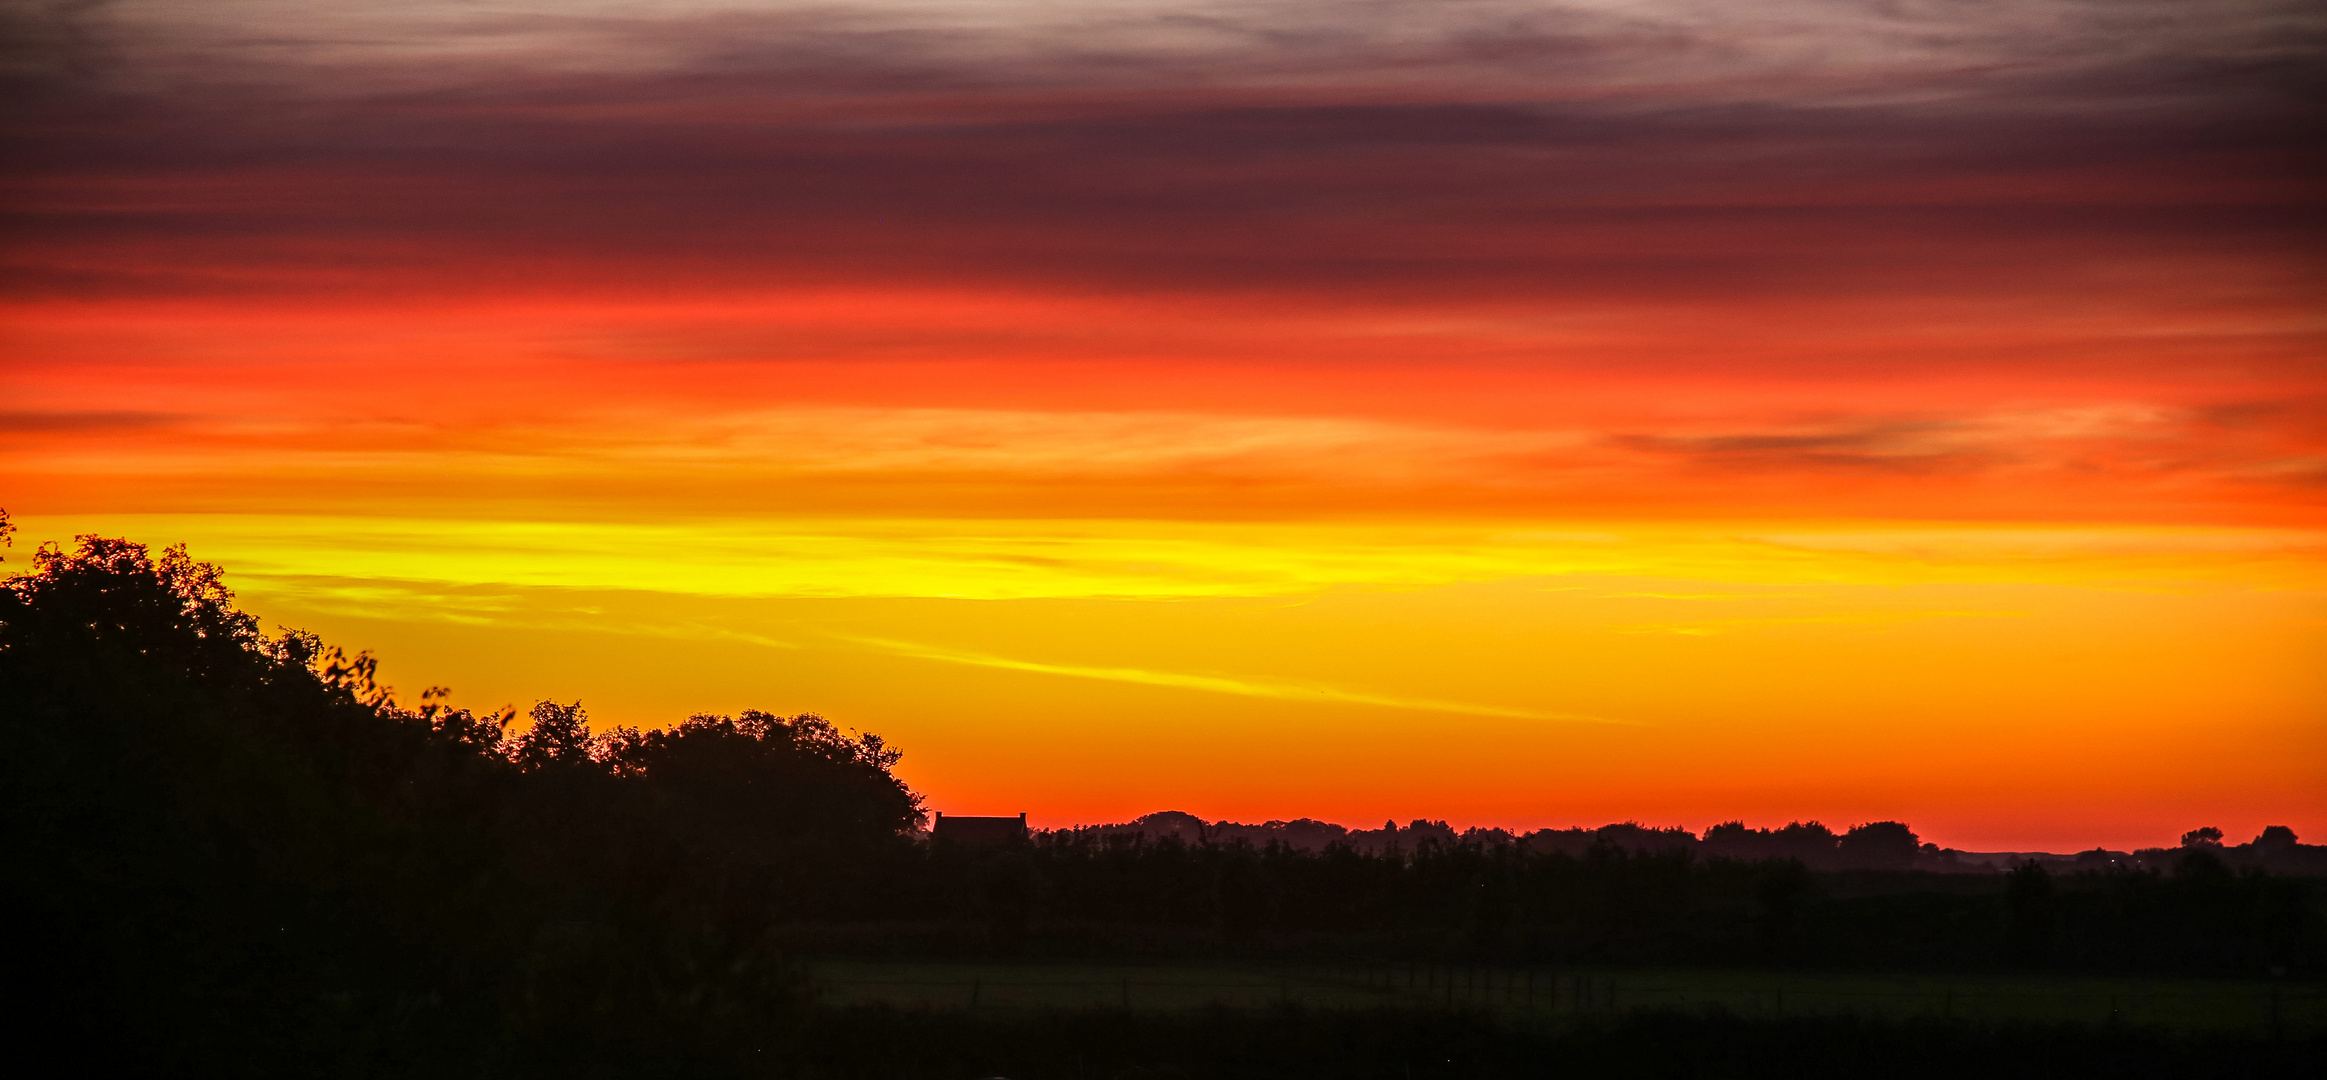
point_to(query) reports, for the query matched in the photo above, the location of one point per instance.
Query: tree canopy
(240, 839)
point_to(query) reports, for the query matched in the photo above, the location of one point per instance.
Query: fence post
(975, 986)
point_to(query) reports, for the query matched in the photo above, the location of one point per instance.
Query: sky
(1516, 414)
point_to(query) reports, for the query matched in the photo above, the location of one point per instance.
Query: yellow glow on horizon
(1019, 559)
(1954, 674)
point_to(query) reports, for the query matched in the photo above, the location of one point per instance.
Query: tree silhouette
(242, 847)
(1879, 845)
(2207, 836)
(559, 739)
(2275, 837)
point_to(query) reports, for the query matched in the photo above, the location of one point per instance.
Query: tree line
(1873, 845)
(1101, 895)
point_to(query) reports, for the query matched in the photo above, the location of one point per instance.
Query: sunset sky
(1519, 414)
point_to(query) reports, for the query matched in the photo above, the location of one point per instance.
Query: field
(1553, 994)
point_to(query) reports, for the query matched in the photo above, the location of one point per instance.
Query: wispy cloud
(1281, 690)
(1869, 619)
(1679, 596)
(1522, 149)
(80, 421)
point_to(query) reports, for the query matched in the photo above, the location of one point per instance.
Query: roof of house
(979, 830)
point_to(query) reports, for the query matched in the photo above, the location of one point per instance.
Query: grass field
(1549, 994)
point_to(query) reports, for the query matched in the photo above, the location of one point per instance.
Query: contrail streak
(1219, 684)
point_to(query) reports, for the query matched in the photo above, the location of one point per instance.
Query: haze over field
(1514, 414)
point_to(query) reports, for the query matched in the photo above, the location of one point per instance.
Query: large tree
(232, 846)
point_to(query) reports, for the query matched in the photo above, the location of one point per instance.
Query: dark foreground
(1411, 1045)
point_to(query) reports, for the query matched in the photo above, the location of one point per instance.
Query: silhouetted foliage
(241, 848)
(1879, 845)
(1093, 895)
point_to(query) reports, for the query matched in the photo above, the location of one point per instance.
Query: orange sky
(1517, 414)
